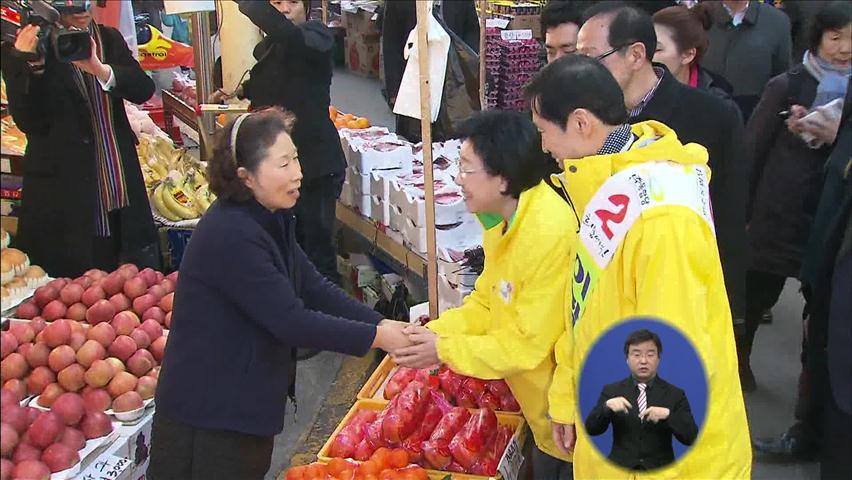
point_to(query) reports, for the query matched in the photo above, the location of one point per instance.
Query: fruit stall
(80, 363)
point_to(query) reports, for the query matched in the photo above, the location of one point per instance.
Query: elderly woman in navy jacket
(246, 298)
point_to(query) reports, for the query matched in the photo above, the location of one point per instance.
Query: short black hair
(257, 133)
(509, 146)
(629, 25)
(558, 12)
(832, 16)
(572, 82)
(642, 336)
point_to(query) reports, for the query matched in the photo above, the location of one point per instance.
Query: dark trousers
(835, 463)
(316, 216)
(184, 452)
(762, 292)
(546, 467)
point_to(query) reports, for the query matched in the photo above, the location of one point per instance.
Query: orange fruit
(348, 116)
(296, 473)
(389, 475)
(370, 467)
(352, 124)
(362, 122)
(316, 470)
(339, 124)
(398, 459)
(380, 456)
(337, 465)
(332, 112)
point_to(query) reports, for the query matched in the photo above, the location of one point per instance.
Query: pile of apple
(34, 444)
(97, 297)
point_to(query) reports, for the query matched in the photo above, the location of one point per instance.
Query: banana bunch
(158, 157)
(182, 196)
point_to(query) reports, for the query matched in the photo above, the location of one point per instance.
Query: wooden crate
(515, 421)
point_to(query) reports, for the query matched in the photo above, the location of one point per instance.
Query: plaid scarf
(112, 188)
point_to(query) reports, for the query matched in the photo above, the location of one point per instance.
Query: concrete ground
(328, 383)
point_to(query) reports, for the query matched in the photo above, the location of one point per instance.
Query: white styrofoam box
(399, 184)
(360, 182)
(449, 206)
(380, 211)
(418, 312)
(397, 218)
(363, 204)
(346, 196)
(464, 235)
(353, 138)
(383, 155)
(380, 182)
(450, 295)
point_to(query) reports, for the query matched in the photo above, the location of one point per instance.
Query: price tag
(510, 464)
(107, 468)
(5, 165)
(496, 23)
(516, 35)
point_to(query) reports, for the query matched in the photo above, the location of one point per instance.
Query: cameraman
(84, 203)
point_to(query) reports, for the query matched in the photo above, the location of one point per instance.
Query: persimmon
(398, 459)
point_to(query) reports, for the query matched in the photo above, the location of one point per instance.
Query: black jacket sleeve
(400, 18)
(321, 295)
(267, 297)
(599, 418)
(681, 422)
(730, 194)
(296, 39)
(26, 93)
(131, 82)
(762, 129)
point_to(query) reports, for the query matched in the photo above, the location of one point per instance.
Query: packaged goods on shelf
(510, 65)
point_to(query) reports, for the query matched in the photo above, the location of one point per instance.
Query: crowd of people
(677, 162)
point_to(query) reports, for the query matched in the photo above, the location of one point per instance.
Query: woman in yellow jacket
(508, 325)
(646, 247)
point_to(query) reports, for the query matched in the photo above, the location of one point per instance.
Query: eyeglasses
(608, 53)
(464, 173)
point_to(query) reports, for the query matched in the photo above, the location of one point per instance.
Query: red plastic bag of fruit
(405, 412)
(436, 450)
(351, 435)
(402, 377)
(469, 444)
(414, 443)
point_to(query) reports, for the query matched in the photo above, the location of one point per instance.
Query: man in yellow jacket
(508, 325)
(646, 247)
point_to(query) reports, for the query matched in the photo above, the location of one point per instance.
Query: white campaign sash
(616, 206)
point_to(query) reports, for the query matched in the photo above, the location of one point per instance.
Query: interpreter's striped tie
(643, 401)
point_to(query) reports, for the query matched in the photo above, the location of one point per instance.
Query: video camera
(65, 44)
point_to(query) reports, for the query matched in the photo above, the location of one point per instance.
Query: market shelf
(375, 234)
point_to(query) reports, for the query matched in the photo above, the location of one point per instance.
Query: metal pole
(483, 6)
(203, 51)
(423, 13)
(325, 12)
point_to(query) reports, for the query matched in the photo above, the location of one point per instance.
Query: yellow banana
(202, 195)
(160, 205)
(177, 201)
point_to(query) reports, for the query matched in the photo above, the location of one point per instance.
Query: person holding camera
(84, 203)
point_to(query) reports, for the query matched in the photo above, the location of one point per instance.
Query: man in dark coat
(293, 71)
(84, 203)
(623, 39)
(645, 411)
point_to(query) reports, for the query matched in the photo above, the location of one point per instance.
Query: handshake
(409, 345)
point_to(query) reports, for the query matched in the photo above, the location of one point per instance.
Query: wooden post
(483, 9)
(423, 13)
(325, 12)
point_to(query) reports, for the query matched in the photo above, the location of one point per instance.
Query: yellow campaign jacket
(666, 266)
(508, 325)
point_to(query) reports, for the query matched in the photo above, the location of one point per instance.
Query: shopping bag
(408, 98)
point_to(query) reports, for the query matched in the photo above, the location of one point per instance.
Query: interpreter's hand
(424, 351)
(564, 436)
(93, 64)
(654, 414)
(618, 405)
(27, 39)
(390, 336)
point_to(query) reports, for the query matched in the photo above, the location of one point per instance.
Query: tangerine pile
(347, 120)
(385, 464)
